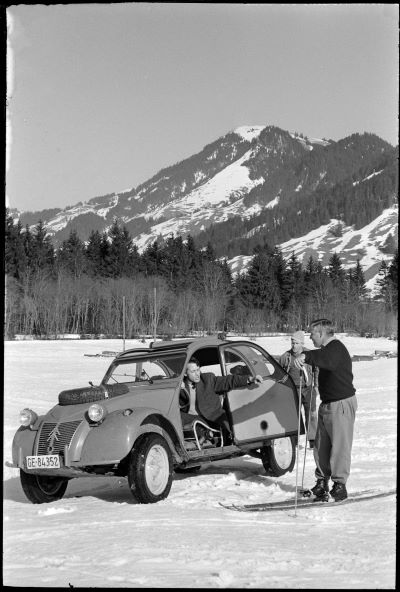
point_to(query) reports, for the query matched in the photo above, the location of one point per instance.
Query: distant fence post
(123, 322)
(155, 314)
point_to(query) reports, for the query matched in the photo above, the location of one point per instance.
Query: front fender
(112, 440)
(23, 445)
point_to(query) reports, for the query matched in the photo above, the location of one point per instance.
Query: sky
(100, 97)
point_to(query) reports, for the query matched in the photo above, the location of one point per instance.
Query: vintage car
(130, 425)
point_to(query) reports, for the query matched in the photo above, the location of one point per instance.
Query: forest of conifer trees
(80, 288)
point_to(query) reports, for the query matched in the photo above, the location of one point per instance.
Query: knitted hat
(298, 336)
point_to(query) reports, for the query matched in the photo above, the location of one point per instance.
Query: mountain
(259, 184)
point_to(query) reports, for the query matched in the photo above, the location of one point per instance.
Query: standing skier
(308, 394)
(336, 414)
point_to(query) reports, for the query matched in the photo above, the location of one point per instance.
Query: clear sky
(103, 96)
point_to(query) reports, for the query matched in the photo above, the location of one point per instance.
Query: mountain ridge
(255, 183)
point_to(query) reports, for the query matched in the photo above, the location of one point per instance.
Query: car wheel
(150, 469)
(279, 457)
(41, 489)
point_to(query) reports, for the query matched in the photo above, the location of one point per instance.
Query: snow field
(97, 536)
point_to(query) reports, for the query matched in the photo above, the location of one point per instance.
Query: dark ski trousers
(334, 439)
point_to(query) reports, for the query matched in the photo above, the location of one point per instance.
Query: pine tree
(388, 284)
(152, 259)
(292, 289)
(176, 262)
(260, 287)
(357, 282)
(118, 259)
(210, 252)
(393, 275)
(95, 255)
(28, 246)
(42, 256)
(336, 271)
(71, 256)
(15, 259)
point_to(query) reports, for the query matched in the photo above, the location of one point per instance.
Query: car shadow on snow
(109, 489)
(12, 490)
(116, 489)
(242, 470)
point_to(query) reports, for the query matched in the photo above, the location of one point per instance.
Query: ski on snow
(307, 502)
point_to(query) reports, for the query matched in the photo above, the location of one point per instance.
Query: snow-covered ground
(97, 536)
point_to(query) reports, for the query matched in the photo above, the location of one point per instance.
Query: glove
(299, 361)
(255, 380)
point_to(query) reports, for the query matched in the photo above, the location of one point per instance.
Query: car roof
(172, 346)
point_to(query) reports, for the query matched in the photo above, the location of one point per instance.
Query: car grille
(55, 436)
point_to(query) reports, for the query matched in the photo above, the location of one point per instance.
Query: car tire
(279, 457)
(41, 489)
(150, 469)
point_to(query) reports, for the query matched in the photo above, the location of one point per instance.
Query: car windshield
(146, 368)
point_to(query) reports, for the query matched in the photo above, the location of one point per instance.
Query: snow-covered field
(97, 536)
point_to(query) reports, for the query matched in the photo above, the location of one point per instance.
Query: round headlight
(96, 412)
(27, 417)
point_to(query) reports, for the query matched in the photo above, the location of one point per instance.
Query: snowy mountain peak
(257, 183)
(249, 132)
(308, 143)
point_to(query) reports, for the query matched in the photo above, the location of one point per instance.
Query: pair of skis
(307, 502)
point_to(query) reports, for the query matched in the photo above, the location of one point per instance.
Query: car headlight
(27, 417)
(97, 413)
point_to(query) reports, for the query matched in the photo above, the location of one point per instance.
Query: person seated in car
(203, 393)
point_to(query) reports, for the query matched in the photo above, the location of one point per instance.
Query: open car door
(269, 410)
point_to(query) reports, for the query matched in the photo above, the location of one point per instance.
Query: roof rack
(170, 344)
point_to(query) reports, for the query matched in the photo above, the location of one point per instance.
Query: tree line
(178, 287)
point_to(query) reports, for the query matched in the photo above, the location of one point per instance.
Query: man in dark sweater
(203, 390)
(336, 414)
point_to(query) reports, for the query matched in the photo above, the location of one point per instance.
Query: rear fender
(112, 440)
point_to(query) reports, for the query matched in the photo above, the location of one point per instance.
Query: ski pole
(298, 438)
(307, 427)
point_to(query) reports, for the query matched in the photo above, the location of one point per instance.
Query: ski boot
(338, 491)
(321, 490)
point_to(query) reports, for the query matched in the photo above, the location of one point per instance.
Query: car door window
(246, 359)
(209, 360)
(235, 363)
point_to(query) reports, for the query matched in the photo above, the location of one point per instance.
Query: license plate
(48, 461)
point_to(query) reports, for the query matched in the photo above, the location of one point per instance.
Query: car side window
(235, 363)
(147, 369)
(124, 372)
(208, 358)
(249, 359)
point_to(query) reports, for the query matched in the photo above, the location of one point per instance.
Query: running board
(215, 453)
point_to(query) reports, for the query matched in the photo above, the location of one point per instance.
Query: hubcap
(283, 452)
(49, 485)
(157, 469)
